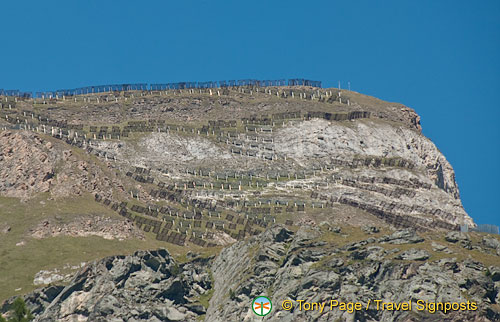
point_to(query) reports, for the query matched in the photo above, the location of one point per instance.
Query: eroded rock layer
(306, 265)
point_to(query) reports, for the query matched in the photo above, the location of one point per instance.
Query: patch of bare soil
(223, 239)
(83, 226)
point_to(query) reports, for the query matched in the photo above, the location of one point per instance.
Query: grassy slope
(351, 234)
(19, 264)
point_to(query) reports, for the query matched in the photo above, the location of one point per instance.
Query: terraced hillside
(197, 169)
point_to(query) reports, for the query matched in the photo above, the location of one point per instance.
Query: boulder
(400, 237)
(334, 262)
(374, 253)
(4, 229)
(494, 273)
(491, 242)
(107, 305)
(440, 248)
(455, 236)
(370, 229)
(460, 238)
(414, 254)
(335, 229)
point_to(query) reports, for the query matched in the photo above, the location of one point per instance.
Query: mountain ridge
(201, 170)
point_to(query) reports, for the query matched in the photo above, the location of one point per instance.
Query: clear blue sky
(441, 58)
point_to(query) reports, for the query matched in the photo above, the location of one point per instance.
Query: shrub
(20, 312)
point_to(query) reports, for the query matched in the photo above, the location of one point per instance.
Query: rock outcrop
(32, 163)
(148, 285)
(199, 170)
(299, 266)
(283, 265)
(341, 147)
(27, 164)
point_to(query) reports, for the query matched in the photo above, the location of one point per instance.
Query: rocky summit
(187, 204)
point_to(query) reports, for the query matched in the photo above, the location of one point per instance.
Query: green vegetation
(19, 264)
(232, 295)
(351, 234)
(175, 270)
(22, 256)
(20, 312)
(204, 299)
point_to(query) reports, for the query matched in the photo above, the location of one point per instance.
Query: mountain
(253, 190)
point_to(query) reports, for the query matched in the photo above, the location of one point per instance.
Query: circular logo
(262, 306)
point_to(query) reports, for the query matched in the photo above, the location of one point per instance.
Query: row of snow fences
(15, 93)
(94, 90)
(303, 82)
(484, 228)
(224, 84)
(229, 83)
(162, 87)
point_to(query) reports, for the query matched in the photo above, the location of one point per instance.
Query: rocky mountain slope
(282, 177)
(306, 265)
(339, 146)
(31, 164)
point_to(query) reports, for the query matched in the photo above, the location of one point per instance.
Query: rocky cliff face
(301, 266)
(144, 286)
(339, 148)
(308, 265)
(318, 141)
(285, 177)
(31, 164)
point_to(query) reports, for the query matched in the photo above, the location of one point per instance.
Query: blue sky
(441, 58)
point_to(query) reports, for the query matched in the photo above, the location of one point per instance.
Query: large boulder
(406, 236)
(491, 242)
(414, 255)
(460, 238)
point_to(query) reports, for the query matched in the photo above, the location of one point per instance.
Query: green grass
(352, 234)
(204, 299)
(19, 264)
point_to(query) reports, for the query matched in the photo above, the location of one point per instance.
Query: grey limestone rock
(368, 273)
(4, 229)
(455, 236)
(142, 286)
(370, 229)
(414, 255)
(335, 229)
(440, 248)
(491, 242)
(406, 236)
(460, 238)
(280, 264)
